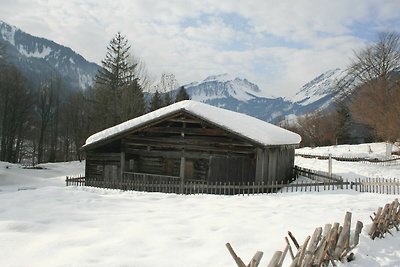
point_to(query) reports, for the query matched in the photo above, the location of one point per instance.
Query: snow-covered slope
(39, 58)
(324, 89)
(318, 88)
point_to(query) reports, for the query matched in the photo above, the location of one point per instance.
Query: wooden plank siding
(274, 164)
(210, 154)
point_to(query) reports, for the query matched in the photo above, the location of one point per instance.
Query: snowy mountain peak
(223, 86)
(225, 77)
(7, 32)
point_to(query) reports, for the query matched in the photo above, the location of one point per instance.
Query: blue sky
(280, 45)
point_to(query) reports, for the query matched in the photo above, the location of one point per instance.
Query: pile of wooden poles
(385, 219)
(331, 244)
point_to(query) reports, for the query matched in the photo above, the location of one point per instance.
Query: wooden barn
(192, 141)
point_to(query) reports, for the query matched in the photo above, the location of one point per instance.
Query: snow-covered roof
(259, 131)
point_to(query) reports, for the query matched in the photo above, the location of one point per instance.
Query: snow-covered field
(351, 170)
(48, 224)
(369, 150)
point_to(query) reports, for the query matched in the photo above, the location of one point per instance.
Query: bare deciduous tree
(376, 102)
(16, 107)
(145, 80)
(165, 86)
(316, 129)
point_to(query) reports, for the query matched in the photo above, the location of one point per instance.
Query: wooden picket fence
(195, 187)
(201, 188)
(318, 181)
(75, 180)
(377, 185)
(383, 162)
(370, 185)
(331, 244)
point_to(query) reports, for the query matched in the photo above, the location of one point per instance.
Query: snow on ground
(378, 252)
(350, 170)
(369, 150)
(15, 176)
(54, 225)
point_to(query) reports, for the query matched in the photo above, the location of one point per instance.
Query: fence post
(330, 165)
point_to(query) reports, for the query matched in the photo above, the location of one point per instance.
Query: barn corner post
(182, 172)
(183, 162)
(122, 160)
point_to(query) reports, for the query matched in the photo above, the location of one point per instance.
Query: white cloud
(285, 44)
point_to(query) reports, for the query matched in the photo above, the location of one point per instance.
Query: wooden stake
(283, 256)
(290, 248)
(356, 240)
(319, 254)
(296, 244)
(275, 259)
(343, 237)
(312, 246)
(238, 260)
(303, 250)
(255, 261)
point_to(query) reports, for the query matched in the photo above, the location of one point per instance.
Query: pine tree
(343, 130)
(132, 101)
(118, 95)
(182, 94)
(156, 101)
(116, 71)
(167, 99)
(2, 53)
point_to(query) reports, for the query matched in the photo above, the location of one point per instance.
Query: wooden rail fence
(376, 161)
(319, 176)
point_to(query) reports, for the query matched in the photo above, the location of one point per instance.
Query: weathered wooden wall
(275, 164)
(103, 166)
(232, 169)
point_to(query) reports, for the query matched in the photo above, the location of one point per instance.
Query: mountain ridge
(40, 59)
(239, 94)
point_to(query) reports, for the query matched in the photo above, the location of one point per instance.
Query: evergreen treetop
(116, 70)
(182, 94)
